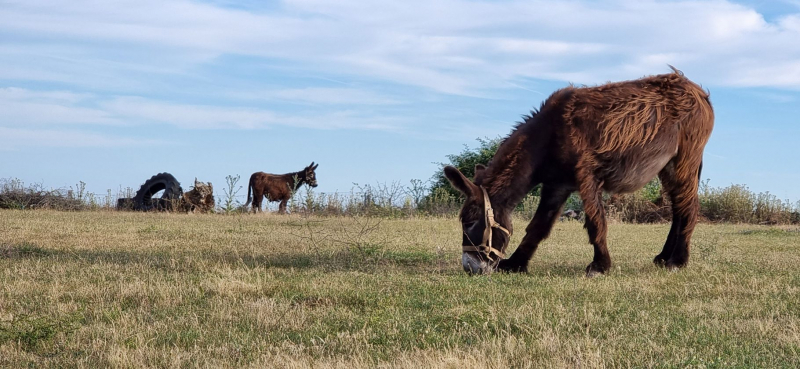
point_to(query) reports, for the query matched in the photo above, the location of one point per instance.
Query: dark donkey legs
(682, 189)
(553, 199)
(591, 194)
(282, 206)
(257, 197)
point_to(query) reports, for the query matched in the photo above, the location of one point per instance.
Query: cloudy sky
(112, 92)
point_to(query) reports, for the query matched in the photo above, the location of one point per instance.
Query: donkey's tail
(249, 191)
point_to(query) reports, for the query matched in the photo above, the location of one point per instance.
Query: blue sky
(112, 92)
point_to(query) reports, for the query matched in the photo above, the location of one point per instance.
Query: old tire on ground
(144, 201)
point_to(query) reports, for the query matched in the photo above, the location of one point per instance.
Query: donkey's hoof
(660, 261)
(674, 265)
(593, 273)
(595, 270)
(508, 266)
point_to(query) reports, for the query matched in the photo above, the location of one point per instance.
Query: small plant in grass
(80, 190)
(231, 191)
(309, 203)
(293, 191)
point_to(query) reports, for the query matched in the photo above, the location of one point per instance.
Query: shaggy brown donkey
(278, 187)
(615, 138)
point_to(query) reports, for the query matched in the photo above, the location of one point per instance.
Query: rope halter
(485, 248)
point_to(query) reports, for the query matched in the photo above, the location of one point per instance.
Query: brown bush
(15, 195)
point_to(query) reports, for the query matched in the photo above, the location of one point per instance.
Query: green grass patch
(772, 232)
(37, 333)
(132, 290)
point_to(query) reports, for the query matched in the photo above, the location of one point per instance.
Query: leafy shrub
(736, 203)
(465, 162)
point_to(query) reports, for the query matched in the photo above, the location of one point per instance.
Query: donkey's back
(627, 132)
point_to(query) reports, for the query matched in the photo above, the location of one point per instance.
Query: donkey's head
(484, 237)
(310, 176)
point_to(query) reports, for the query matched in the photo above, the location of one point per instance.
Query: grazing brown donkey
(615, 138)
(278, 187)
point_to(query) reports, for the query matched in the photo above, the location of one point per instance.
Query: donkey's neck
(297, 178)
(509, 177)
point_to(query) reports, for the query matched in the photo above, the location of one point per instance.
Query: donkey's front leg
(595, 225)
(553, 199)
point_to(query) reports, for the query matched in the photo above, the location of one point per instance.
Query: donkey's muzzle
(474, 263)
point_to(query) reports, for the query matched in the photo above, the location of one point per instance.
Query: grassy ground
(93, 289)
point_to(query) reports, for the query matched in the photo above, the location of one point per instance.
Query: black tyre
(144, 201)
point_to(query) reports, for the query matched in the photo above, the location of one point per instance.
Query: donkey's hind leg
(667, 176)
(258, 196)
(682, 189)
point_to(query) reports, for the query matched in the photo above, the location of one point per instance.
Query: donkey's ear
(459, 181)
(311, 165)
(314, 167)
(479, 169)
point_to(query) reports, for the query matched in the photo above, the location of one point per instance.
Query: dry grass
(93, 289)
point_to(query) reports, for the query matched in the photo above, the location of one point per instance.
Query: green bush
(465, 162)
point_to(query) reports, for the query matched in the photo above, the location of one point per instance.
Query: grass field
(97, 289)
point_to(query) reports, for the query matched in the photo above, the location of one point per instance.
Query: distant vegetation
(735, 203)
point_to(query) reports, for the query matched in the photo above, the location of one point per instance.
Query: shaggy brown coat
(615, 138)
(278, 187)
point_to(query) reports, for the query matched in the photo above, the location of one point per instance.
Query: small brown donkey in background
(615, 138)
(278, 187)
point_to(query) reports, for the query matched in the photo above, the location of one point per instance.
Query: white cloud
(27, 108)
(15, 93)
(145, 111)
(23, 138)
(188, 116)
(319, 95)
(790, 23)
(449, 46)
(779, 74)
(21, 107)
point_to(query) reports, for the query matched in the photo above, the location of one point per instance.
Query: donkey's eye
(469, 225)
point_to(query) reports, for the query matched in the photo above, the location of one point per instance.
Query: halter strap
(486, 244)
(490, 222)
